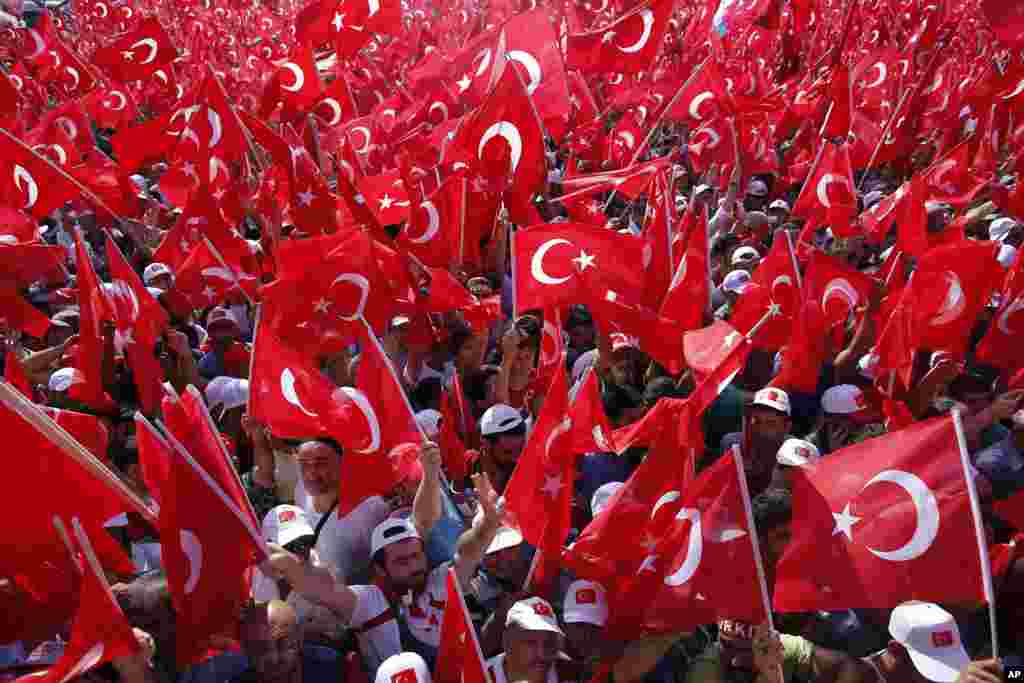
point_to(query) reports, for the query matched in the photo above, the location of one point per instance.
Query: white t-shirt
(423, 615)
(344, 544)
(496, 670)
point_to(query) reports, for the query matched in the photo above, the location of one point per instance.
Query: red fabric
(100, 632)
(86, 429)
(14, 373)
(592, 52)
(543, 480)
(459, 659)
(30, 181)
(591, 431)
(828, 195)
(689, 291)
(155, 459)
(94, 308)
(999, 345)
(873, 484)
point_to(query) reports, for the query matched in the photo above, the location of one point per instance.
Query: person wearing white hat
(846, 418)
(794, 453)
(766, 425)
(403, 609)
(585, 614)
(532, 641)
(430, 421)
(744, 257)
(158, 275)
(735, 282)
(405, 667)
(503, 432)
(63, 379)
(1000, 228)
(602, 496)
(925, 646)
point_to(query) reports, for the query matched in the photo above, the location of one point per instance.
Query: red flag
(459, 658)
(702, 97)
(86, 429)
(154, 459)
(286, 392)
(207, 545)
(30, 182)
(543, 480)
(100, 632)
(591, 430)
(15, 375)
(689, 292)
(829, 194)
(999, 345)
(296, 84)
(836, 288)
(1006, 20)
(950, 288)
(627, 45)
(140, 321)
(94, 308)
(138, 54)
(548, 257)
(504, 141)
(875, 524)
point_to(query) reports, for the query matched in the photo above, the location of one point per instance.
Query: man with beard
(272, 641)
(403, 608)
(766, 426)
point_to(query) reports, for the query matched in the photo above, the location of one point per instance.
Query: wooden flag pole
(979, 529)
(55, 434)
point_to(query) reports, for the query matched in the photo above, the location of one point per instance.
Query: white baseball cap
(405, 667)
(533, 614)
(585, 602)
(868, 365)
(62, 379)
(498, 419)
(701, 189)
(391, 531)
(430, 421)
(1000, 228)
(932, 639)
(623, 341)
(599, 501)
(736, 281)
(770, 397)
(779, 204)
(1007, 253)
(744, 255)
(284, 524)
(507, 537)
(757, 188)
(843, 399)
(231, 392)
(797, 453)
(155, 270)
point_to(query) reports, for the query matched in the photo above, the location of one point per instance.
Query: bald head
(276, 616)
(319, 466)
(272, 640)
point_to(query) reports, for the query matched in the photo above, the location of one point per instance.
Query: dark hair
(618, 399)
(771, 509)
(426, 393)
(519, 430)
(458, 334)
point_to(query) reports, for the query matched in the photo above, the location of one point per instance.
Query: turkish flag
(631, 181)
(207, 544)
(656, 336)
(296, 84)
(86, 429)
(627, 45)
(454, 455)
(100, 632)
(547, 258)
(689, 291)
(656, 235)
(950, 180)
(386, 197)
(200, 216)
(154, 459)
(875, 524)
(836, 288)
(707, 348)
(949, 290)
(459, 658)
(532, 46)
(503, 140)
(591, 431)
(701, 98)
(94, 307)
(383, 406)
(712, 142)
(31, 182)
(436, 231)
(188, 419)
(205, 280)
(18, 313)
(140, 321)
(912, 219)
(138, 54)
(838, 119)
(829, 194)
(999, 345)
(286, 391)
(538, 497)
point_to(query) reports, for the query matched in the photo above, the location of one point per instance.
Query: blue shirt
(1003, 464)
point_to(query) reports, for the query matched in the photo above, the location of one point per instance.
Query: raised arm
(473, 543)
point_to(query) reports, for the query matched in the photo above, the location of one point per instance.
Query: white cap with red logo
(932, 639)
(623, 341)
(405, 667)
(585, 602)
(843, 399)
(533, 614)
(284, 524)
(797, 453)
(770, 397)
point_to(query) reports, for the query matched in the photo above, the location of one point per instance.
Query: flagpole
(979, 530)
(792, 258)
(667, 108)
(394, 375)
(748, 511)
(62, 531)
(512, 258)
(191, 389)
(210, 482)
(14, 401)
(252, 355)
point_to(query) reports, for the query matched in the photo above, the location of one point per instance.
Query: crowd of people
(355, 578)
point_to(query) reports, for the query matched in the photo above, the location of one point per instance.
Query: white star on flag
(386, 201)
(844, 522)
(648, 565)
(129, 55)
(552, 485)
(607, 37)
(190, 169)
(209, 292)
(584, 260)
(338, 21)
(305, 198)
(463, 83)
